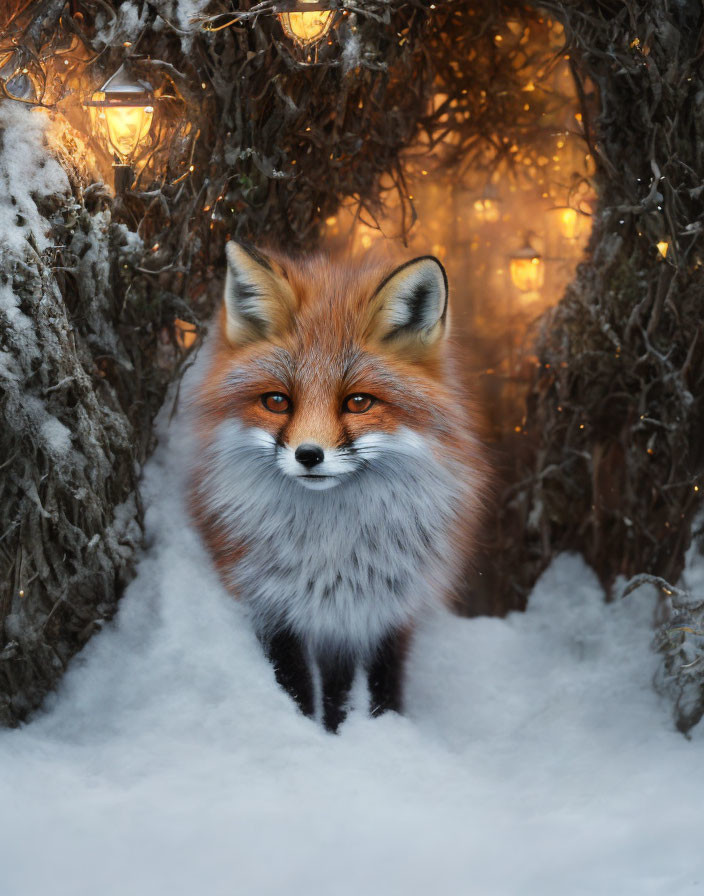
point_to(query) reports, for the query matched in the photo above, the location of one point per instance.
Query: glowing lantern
(308, 22)
(570, 222)
(487, 209)
(527, 269)
(121, 113)
(663, 246)
(17, 80)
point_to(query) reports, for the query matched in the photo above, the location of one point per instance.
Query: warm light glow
(663, 246)
(124, 128)
(527, 269)
(186, 333)
(307, 28)
(487, 209)
(570, 222)
(121, 114)
(4, 59)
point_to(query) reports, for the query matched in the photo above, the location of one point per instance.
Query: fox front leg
(385, 673)
(336, 674)
(288, 656)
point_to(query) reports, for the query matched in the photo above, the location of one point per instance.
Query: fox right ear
(410, 306)
(259, 301)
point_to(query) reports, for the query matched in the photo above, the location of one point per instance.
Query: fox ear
(411, 304)
(259, 301)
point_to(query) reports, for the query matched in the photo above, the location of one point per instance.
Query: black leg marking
(288, 657)
(385, 674)
(337, 675)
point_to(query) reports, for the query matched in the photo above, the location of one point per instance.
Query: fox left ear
(411, 303)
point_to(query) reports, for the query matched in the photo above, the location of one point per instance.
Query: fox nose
(309, 455)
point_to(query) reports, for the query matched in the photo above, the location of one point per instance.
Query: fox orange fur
(338, 482)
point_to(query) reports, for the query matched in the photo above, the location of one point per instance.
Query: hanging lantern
(487, 208)
(527, 269)
(17, 80)
(662, 247)
(121, 114)
(308, 22)
(569, 222)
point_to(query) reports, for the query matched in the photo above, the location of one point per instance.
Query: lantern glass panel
(123, 128)
(307, 27)
(570, 223)
(527, 273)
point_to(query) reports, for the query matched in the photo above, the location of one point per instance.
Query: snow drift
(535, 756)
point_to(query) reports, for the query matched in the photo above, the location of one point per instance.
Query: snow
(187, 10)
(24, 176)
(534, 758)
(57, 437)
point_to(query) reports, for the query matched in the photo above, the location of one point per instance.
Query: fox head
(326, 371)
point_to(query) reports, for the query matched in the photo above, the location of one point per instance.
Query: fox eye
(359, 403)
(276, 402)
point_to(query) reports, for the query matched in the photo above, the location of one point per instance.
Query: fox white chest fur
(344, 566)
(338, 480)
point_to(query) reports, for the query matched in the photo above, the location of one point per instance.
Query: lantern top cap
(122, 89)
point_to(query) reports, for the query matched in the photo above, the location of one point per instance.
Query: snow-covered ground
(534, 758)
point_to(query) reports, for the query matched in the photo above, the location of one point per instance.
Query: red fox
(338, 481)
